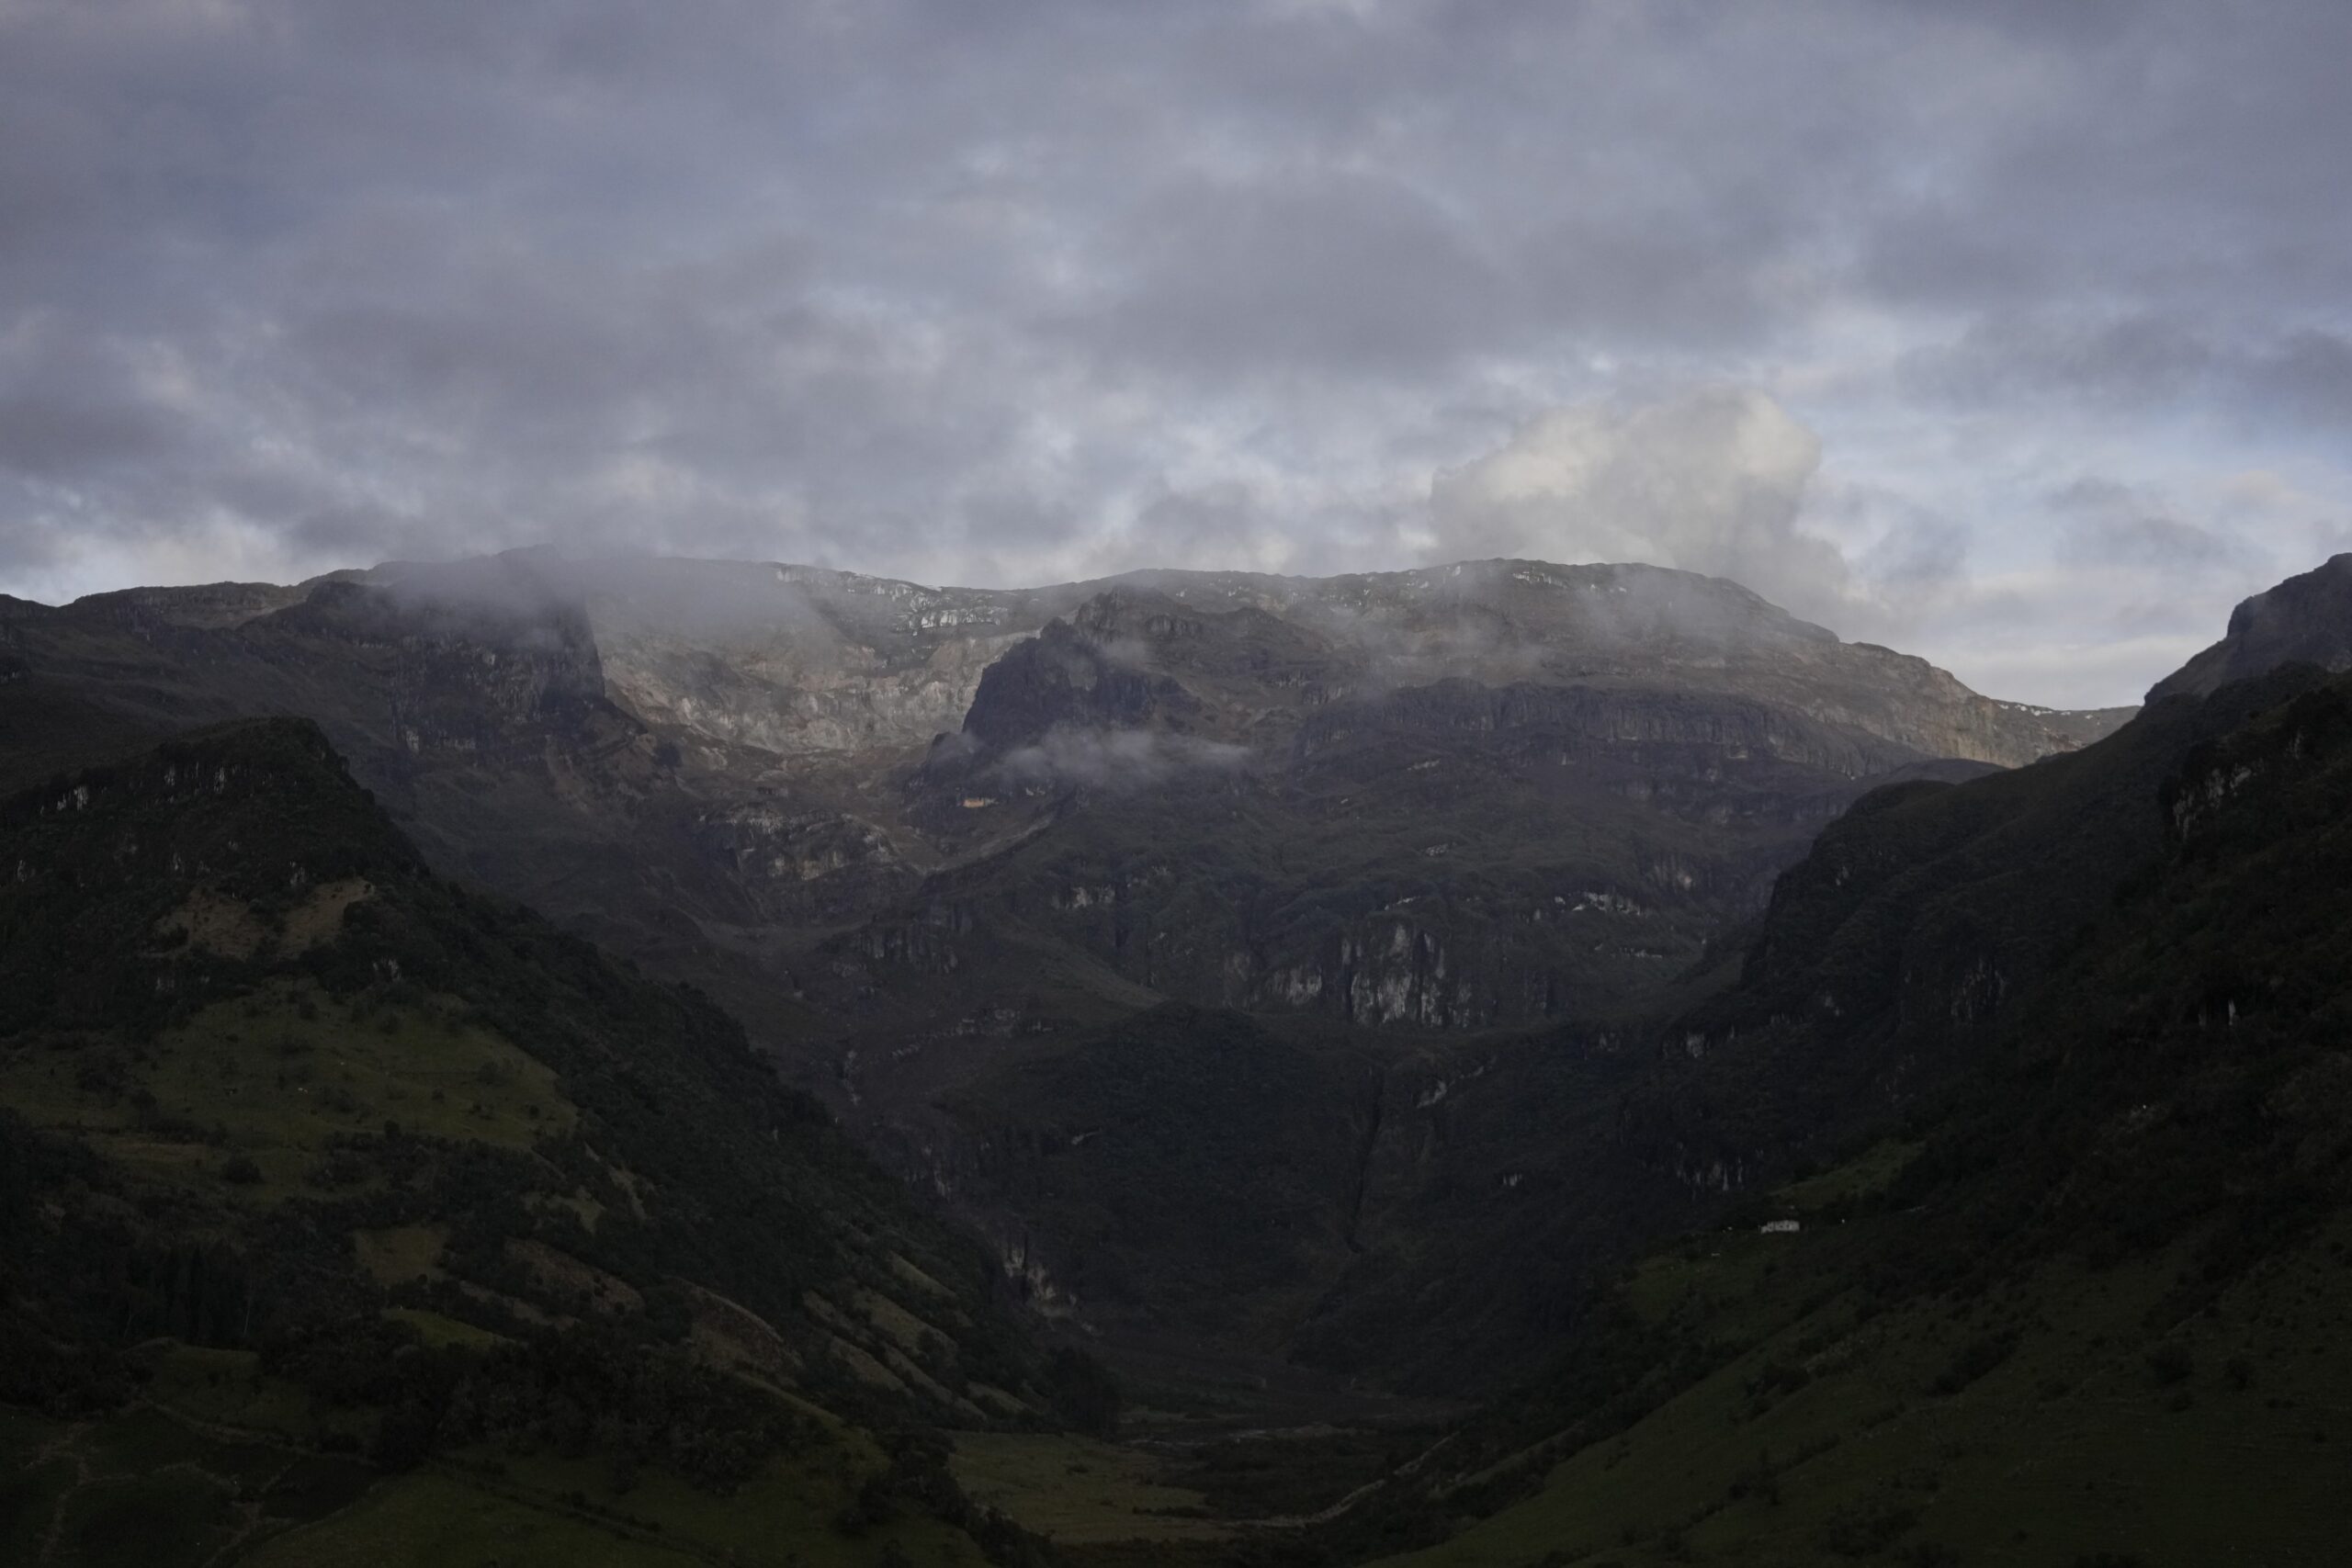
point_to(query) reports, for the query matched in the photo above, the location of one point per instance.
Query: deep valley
(1502, 1064)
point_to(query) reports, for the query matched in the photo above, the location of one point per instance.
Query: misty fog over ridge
(707, 597)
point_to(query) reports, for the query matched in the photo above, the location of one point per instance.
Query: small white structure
(1779, 1227)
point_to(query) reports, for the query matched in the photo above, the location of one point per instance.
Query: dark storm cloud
(1039, 288)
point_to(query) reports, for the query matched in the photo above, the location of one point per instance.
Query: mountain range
(1313, 997)
(925, 842)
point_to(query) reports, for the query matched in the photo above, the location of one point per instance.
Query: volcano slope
(945, 852)
(349, 1216)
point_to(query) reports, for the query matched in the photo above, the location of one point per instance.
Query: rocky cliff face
(1446, 800)
(459, 677)
(795, 661)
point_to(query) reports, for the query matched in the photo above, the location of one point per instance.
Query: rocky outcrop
(805, 867)
(793, 661)
(1064, 676)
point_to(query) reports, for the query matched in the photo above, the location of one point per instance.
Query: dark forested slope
(2046, 1077)
(312, 1164)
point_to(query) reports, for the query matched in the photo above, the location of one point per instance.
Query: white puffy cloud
(1713, 480)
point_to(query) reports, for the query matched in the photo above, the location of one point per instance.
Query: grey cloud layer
(1862, 302)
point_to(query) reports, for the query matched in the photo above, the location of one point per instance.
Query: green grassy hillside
(2082, 1306)
(347, 1216)
(2067, 1416)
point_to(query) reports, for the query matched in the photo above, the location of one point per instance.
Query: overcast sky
(2011, 334)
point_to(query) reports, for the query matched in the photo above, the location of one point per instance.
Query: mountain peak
(2306, 619)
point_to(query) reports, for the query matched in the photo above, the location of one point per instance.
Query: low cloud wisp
(1118, 760)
